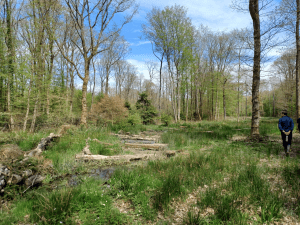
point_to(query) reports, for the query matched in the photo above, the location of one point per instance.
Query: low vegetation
(231, 179)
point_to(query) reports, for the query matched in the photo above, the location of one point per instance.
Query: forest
(87, 137)
(59, 59)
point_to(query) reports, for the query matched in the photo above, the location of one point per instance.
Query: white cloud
(140, 43)
(141, 67)
(216, 14)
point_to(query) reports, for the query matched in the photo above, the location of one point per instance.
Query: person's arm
(292, 125)
(279, 125)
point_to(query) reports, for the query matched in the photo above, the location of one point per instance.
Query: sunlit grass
(232, 177)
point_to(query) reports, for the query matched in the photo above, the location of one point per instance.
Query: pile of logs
(27, 177)
(86, 154)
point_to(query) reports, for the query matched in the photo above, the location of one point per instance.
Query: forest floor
(206, 173)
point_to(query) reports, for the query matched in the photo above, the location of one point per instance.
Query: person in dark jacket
(298, 121)
(286, 126)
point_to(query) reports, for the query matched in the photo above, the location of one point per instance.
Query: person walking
(286, 126)
(298, 121)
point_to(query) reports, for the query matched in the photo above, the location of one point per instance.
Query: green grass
(232, 177)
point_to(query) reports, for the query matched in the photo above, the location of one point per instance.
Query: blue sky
(216, 14)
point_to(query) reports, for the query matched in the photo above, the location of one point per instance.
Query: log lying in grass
(138, 137)
(207, 131)
(41, 146)
(170, 153)
(115, 157)
(147, 146)
(102, 143)
(46, 141)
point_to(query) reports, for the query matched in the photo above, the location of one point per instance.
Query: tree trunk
(297, 60)
(10, 48)
(187, 103)
(93, 93)
(72, 89)
(224, 99)
(178, 101)
(106, 81)
(239, 74)
(34, 115)
(273, 103)
(201, 108)
(9, 110)
(27, 110)
(216, 111)
(212, 97)
(84, 92)
(254, 12)
(159, 96)
(246, 106)
(28, 104)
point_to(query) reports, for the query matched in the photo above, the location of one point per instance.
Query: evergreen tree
(147, 111)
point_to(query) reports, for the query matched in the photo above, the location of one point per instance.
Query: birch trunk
(9, 110)
(28, 105)
(34, 115)
(224, 99)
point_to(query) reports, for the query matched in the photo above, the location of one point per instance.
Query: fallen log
(115, 157)
(138, 137)
(147, 146)
(46, 141)
(41, 146)
(170, 153)
(102, 143)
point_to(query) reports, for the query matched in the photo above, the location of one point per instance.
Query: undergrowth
(231, 178)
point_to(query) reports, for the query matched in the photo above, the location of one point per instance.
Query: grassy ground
(219, 181)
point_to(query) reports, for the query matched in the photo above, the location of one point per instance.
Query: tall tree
(115, 51)
(93, 24)
(290, 14)
(254, 12)
(11, 58)
(171, 31)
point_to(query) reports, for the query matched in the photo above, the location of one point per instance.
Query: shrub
(166, 119)
(127, 105)
(109, 110)
(134, 119)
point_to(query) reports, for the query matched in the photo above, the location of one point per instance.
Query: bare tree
(92, 22)
(290, 13)
(262, 43)
(129, 80)
(115, 51)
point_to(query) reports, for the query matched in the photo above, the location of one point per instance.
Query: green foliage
(166, 119)
(127, 105)
(147, 111)
(54, 208)
(231, 177)
(134, 119)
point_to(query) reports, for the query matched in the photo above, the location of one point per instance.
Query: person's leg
(283, 141)
(289, 143)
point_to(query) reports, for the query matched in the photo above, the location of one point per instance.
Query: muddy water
(105, 173)
(100, 173)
